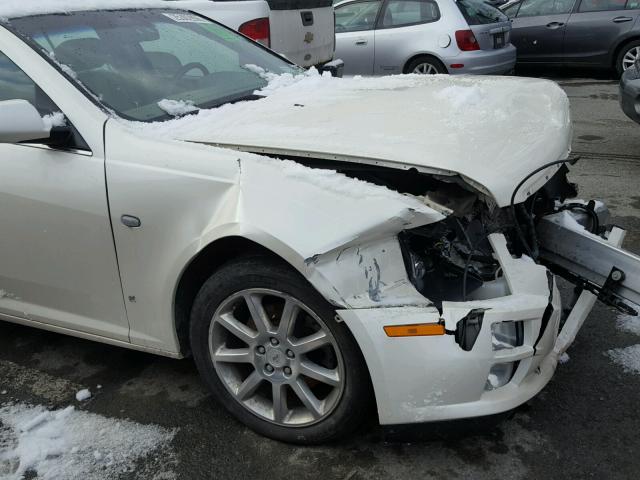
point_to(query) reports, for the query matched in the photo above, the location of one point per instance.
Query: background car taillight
(466, 41)
(258, 30)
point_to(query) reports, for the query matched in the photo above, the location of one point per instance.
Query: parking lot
(584, 424)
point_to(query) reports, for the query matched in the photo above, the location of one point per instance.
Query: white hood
(493, 131)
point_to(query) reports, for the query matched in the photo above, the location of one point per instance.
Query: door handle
(555, 25)
(361, 41)
(622, 19)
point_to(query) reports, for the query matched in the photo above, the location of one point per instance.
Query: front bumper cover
(419, 379)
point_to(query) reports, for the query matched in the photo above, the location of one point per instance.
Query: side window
(357, 16)
(601, 5)
(534, 8)
(633, 5)
(16, 85)
(399, 13)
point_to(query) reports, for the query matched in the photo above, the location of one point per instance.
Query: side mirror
(21, 122)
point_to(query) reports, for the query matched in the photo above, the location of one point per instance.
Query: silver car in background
(383, 37)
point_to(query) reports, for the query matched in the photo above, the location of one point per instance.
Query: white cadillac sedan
(317, 244)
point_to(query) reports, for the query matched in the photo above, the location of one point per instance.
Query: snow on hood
(25, 8)
(491, 130)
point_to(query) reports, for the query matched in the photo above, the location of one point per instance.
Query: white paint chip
(564, 358)
(73, 445)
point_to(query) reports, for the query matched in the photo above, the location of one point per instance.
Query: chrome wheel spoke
(237, 328)
(320, 373)
(249, 386)
(288, 318)
(258, 314)
(280, 409)
(233, 355)
(311, 342)
(307, 397)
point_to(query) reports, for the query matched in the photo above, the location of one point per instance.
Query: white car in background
(300, 30)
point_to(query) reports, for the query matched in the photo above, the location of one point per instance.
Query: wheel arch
(635, 36)
(423, 54)
(200, 268)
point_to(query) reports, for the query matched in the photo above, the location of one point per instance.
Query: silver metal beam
(592, 258)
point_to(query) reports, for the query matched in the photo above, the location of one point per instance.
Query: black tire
(623, 51)
(263, 272)
(425, 59)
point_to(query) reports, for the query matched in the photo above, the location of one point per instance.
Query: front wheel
(272, 353)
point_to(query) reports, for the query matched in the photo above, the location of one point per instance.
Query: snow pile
(56, 119)
(83, 395)
(461, 95)
(177, 108)
(23, 8)
(629, 323)
(276, 81)
(628, 358)
(69, 444)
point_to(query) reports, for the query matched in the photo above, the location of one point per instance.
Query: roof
(26, 8)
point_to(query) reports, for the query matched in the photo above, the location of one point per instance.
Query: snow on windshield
(24, 8)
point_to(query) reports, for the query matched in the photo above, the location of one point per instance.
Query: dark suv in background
(597, 33)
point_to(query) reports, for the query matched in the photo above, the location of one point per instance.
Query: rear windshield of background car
(476, 12)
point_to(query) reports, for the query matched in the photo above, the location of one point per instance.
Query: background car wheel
(627, 56)
(425, 66)
(268, 346)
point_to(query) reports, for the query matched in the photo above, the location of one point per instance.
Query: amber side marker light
(417, 330)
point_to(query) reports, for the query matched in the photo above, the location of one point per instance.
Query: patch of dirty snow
(629, 324)
(70, 444)
(56, 119)
(628, 358)
(83, 395)
(177, 108)
(564, 358)
(23, 8)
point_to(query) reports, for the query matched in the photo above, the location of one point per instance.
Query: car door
(58, 264)
(355, 39)
(596, 27)
(403, 30)
(539, 28)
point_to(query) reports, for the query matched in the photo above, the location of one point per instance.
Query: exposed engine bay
(452, 260)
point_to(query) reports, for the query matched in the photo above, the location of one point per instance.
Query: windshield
(154, 64)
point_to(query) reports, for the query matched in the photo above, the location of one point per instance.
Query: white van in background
(301, 30)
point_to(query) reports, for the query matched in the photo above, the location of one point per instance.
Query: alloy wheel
(276, 357)
(630, 57)
(425, 69)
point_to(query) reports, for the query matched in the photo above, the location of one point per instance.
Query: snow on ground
(629, 323)
(628, 358)
(564, 358)
(70, 444)
(83, 395)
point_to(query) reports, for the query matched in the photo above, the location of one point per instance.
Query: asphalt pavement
(584, 424)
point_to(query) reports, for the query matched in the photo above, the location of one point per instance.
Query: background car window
(409, 12)
(511, 10)
(477, 12)
(601, 5)
(16, 85)
(534, 8)
(359, 16)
